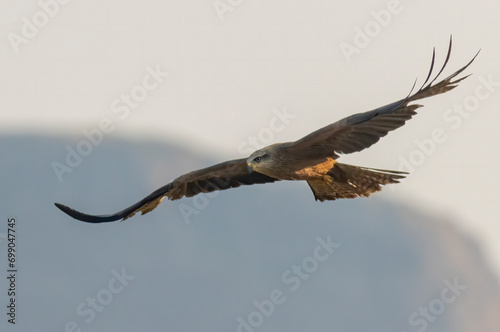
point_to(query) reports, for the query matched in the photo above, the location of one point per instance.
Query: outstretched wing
(362, 130)
(230, 174)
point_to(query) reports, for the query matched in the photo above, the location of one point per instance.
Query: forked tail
(348, 181)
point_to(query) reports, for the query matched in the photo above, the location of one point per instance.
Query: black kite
(312, 158)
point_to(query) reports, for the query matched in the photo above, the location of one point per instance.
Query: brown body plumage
(312, 158)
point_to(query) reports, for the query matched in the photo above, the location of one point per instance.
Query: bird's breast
(315, 171)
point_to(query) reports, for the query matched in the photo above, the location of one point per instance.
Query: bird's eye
(257, 159)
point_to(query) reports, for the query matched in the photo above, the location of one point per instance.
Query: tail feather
(348, 181)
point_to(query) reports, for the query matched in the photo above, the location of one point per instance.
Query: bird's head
(260, 160)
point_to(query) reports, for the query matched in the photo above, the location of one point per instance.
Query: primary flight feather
(312, 158)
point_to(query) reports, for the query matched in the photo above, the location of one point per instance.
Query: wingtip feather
(86, 217)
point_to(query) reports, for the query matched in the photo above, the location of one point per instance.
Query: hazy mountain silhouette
(392, 270)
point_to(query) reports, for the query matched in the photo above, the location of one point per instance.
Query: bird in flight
(312, 158)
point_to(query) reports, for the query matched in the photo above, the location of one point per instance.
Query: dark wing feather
(230, 174)
(360, 131)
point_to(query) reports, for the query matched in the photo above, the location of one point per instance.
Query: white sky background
(226, 77)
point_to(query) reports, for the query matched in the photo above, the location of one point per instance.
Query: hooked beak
(249, 168)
